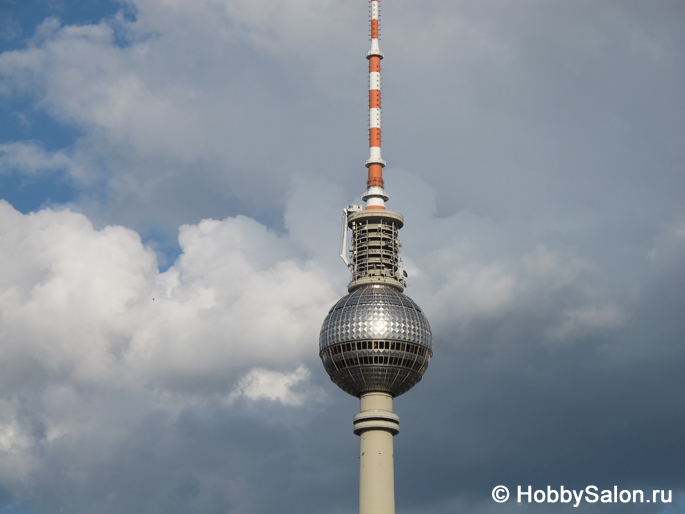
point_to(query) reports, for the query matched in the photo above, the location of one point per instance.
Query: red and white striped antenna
(375, 196)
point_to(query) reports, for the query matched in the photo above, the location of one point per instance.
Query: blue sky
(171, 179)
(21, 119)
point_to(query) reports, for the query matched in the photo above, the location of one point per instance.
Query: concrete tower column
(376, 425)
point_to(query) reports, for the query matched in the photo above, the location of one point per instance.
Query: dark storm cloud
(542, 110)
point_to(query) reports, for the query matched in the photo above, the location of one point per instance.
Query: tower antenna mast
(375, 196)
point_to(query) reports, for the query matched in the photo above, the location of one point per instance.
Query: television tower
(375, 342)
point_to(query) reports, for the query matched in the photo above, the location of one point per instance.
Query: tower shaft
(376, 425)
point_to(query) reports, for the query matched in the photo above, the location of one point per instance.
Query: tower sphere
(375, 339)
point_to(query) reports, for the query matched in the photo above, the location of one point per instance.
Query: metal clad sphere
(375, 339)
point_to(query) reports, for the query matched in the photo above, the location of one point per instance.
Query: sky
(172, 176)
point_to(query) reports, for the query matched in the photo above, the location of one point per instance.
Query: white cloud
(93, 338)
(472, 290)
(31, 158)
(193, 95)
(90, 305)
(14, 442)
(9, 28)
(586, 320)
(262, 383)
